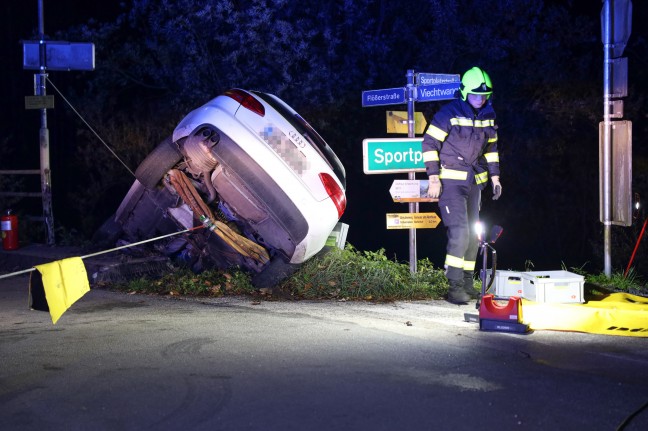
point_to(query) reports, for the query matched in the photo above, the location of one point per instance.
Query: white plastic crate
(508, 283)
(553, 286)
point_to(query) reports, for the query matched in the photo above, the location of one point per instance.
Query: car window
(309, 134)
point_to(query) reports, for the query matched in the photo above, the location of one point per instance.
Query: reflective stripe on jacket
(459, 142)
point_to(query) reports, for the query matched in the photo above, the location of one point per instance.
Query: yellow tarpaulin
(617, 314)
(65, 281)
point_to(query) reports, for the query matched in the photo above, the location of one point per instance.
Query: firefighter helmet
(475, 81)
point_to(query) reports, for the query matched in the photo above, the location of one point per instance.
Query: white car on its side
(259, 167)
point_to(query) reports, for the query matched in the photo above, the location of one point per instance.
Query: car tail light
(247, 100)
(335, 192)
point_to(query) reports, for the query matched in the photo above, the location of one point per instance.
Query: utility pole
(40, 89)
(615, 137)
(42, 56)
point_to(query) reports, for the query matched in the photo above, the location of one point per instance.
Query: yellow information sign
(412, 221)
(397, 122)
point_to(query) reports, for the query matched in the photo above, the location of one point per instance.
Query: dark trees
(161, 58)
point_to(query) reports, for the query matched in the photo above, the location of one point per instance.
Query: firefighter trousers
(459, 204)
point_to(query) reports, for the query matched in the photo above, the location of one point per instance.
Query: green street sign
(392, 155)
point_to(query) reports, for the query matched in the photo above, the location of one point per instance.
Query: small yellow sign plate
(412, 221)
(397, 122)
(39, 102)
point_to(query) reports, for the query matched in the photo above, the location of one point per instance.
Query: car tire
(275, 272)
(163, 157)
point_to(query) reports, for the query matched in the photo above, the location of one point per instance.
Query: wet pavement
(131, 362)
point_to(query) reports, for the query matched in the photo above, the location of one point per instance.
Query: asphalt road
(131, 362)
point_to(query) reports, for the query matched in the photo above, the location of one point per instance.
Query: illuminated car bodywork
(262, 170)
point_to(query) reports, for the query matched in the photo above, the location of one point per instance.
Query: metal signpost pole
(42, 56)
(403, 155)
(615, 136)
(607, 132)
(40, 81)
(413, 206)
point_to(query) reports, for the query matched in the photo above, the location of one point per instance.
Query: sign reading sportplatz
(392, 155)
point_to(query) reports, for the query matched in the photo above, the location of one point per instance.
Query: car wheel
(157, 163)
(276, 271)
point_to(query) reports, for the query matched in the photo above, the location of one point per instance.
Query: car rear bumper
(249, 191)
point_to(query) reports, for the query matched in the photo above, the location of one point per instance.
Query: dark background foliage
(158, 59)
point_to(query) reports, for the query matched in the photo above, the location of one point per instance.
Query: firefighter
(460, 155)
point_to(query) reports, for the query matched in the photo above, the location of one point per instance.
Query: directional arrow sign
(428, 93)
(410, 191)
(412, 221)
(389, 156)
(387, 96)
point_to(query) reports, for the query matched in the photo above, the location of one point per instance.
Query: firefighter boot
(469, 285)
(456, 292)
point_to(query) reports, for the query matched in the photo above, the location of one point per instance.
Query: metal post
(413, 206)
(40, 81)
(608, 46)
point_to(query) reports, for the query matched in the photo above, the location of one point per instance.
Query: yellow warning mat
(617, 314)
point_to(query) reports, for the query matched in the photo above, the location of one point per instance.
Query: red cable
(643, 229)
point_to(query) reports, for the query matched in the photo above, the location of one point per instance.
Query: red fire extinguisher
(9, 231)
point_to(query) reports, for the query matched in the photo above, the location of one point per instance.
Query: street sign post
(616, 27)
(405, 155)
(42, 55)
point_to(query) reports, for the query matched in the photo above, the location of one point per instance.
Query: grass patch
(364, 275)
(600, 285)
(617, 282)
(182, 281)
(348, 274)
(339, 274)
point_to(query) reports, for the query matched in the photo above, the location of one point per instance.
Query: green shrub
(368, 275)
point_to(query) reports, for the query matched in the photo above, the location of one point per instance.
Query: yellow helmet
(475, 81)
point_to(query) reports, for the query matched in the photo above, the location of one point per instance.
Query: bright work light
(479, 230)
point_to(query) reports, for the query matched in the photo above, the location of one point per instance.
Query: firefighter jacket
(461, 142)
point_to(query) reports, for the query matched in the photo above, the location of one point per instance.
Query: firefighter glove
(434, 187)
(497, 187)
